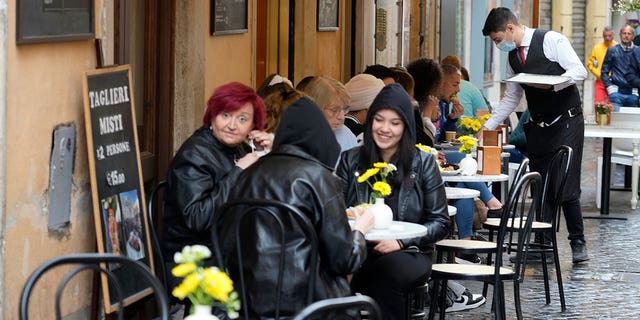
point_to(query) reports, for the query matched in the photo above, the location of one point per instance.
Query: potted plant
(603, 113)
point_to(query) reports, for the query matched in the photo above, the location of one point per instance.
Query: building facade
(178, 56)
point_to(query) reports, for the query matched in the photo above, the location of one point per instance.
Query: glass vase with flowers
(603, 113)
(205, 287)
(376, 178)
(468, 165)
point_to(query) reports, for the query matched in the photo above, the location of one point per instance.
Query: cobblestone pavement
(606, 286)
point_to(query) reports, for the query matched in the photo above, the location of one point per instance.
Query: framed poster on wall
(328, 14)
(228, 17)
(53, 20)
(116, 179)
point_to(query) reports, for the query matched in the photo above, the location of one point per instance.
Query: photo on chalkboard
(132, 224)
(228, 17)
(53, 20)
(112, 218)
(328, 13)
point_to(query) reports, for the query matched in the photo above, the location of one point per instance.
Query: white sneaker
(466, 301)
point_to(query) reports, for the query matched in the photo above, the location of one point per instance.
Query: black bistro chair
(451, 246)
(345, 308)
(545, 228)
(96, 262)
(516, 204)
(156, 202)
(241, 216)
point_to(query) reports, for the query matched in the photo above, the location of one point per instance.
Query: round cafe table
(477, 178)
(397, 230)
(460, 193)
(502, 178)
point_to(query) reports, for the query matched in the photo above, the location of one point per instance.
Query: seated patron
(207, 165)
(299, 172)
(276, 103)
(427, 77)
(417, 195)
(333, 99)
(362, 89)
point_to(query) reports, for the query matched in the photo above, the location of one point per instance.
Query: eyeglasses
(336, 110)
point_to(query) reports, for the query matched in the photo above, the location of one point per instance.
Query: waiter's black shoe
(579, 251)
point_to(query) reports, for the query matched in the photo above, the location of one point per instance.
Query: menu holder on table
(492, 138)
(489, 159)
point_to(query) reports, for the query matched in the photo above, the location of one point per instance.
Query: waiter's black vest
(544, 105)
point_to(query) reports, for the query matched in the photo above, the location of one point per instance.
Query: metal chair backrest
(156, 200)
(93, 261)
(518, 215)
(240, 216)
(341, 309)
(554, 182)
(522, 169)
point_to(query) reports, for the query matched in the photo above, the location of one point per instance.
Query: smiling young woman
(417, 196)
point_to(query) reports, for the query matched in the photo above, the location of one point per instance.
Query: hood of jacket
(304, 125)
(394, 97)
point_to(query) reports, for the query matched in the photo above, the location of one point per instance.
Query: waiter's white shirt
(557, 48)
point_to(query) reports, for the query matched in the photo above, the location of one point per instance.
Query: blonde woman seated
(333, 99)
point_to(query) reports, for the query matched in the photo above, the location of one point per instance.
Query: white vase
(382, 213)
(201, 313)
(468, 166)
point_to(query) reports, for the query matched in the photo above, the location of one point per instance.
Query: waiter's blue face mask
(505, 45)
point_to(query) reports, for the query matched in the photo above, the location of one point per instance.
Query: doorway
(144, 39)
(274, 28)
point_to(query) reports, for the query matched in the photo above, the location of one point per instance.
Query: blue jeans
(516, 156)
(623, 100)
(465, 207)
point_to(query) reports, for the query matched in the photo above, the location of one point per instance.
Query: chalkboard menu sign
(116, 178)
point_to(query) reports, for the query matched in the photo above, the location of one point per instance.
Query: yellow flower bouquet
(471, 125)
(204, 286)
(468, 143)
(427, 149)
(376, 177)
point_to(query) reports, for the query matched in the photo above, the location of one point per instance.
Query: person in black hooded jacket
(297, 171)
(418, 196)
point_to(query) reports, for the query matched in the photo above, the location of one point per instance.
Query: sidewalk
(603, 287)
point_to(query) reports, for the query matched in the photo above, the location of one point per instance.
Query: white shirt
(346, 138)
(556, 48)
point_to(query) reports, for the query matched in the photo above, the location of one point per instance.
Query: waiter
(556, 111)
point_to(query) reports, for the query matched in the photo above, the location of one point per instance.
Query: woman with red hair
(207, 166)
